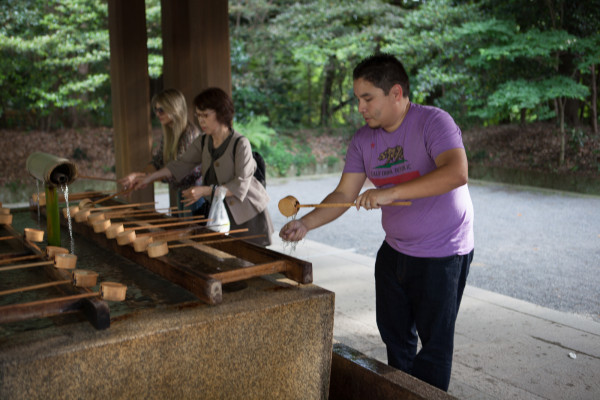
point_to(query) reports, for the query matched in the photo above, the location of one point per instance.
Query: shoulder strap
(235, 145)
(201, 155)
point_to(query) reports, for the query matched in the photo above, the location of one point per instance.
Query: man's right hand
(293, 231)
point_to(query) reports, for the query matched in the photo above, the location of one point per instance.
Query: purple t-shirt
(437, 226)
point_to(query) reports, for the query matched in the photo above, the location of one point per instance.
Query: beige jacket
(236, 174)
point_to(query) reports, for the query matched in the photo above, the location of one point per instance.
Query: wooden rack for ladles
(215, 264)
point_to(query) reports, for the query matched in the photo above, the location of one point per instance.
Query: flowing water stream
(39, 214)
(65, 189)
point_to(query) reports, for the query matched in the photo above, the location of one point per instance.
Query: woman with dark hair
(178, 134)
(227, 161)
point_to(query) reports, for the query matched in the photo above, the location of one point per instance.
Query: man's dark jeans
(419, 295)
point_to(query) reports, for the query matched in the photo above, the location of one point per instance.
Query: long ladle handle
(37, 264)
(190, 222)
(202, 235)
(126, 206)
(96, 178)
(174, 246)
(327, 205)
(21, 258)
(165, 220)
(113, 195)
(34, 287)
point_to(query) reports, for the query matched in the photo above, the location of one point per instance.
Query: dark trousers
(419, 296)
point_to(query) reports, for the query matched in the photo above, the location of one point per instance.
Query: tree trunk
(571, 110)
(561, 114)
(309, 93)
(328, 81)
(594, 100)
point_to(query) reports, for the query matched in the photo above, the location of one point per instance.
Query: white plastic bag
(219, 221)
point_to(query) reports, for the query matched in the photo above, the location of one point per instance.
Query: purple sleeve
(442, 134)
(355, 162)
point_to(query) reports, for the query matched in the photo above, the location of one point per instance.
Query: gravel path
(535, 245)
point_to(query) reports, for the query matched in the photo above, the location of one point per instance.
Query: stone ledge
(355, 376)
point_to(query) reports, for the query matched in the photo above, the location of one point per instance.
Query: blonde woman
(170, 108)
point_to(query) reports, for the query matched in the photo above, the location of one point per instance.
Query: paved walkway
(504, 348)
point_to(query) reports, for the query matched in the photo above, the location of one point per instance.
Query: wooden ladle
(6, 219)
(61, 261)
(73, 210)
(86, 203)
(161, 248)
(79, 278)
(111, 291)
(289, 206)
(121, 214)
(141, 243)
(84, 214)
(128, 235)
(34, 235)
(102, 225)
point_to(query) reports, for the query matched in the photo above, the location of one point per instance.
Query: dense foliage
(486, 62)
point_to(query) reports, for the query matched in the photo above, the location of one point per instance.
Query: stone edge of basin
(356, 376)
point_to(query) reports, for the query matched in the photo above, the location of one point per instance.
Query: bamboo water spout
(53, 171)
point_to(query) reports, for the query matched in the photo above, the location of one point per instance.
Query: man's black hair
(383, 71)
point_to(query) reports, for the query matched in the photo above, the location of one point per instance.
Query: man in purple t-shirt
(409, 152)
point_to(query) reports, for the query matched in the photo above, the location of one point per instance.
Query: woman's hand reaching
(193, 194)
(130, 180)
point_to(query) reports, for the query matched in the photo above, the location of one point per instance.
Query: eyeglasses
(159, 111)
(204, 115)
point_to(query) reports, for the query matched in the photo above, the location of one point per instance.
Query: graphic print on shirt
(392, 156)
(395, 168)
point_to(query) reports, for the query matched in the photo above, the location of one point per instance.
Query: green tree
(532, 72)
(54, 72)
(54, 61)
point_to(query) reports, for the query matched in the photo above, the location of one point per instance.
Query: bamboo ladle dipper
(289, 206)
(112, 291)
(33, 235)
(6, 219)
(86, 203)
(105, 225)
(19, 258)
(128, 235)
(106, 216)
(83, 214)
(75, 209)
(96, 178)
(161, 248)
(141, 243)
(61, 261)
(79, 278)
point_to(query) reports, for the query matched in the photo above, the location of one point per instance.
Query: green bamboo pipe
(52, 216)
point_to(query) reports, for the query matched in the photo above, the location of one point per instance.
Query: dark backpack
(261, 167)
